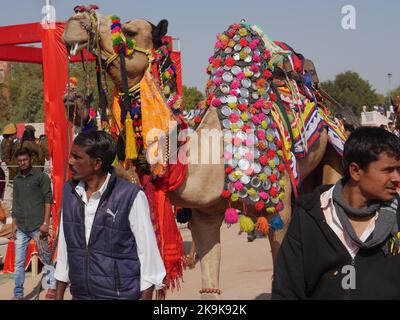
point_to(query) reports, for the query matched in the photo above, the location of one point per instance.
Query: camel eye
(130, 34)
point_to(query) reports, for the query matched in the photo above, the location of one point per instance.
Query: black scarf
(385, 225)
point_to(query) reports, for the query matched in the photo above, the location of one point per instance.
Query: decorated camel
(252, 167)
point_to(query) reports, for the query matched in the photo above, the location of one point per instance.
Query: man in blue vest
(107, 247)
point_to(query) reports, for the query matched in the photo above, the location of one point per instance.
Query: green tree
(26, 92)
(191, 97)
(351, 91)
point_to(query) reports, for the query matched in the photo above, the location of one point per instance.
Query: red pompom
(226, 194)
(259, 205)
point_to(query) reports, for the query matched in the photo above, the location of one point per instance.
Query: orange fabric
(155, 112)
(10, 256)
(116, 111)
(171, 243)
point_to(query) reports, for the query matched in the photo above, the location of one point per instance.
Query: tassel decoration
(246, 224)
(276, 223)
(130, 142)
(262, 225)
(231, 216)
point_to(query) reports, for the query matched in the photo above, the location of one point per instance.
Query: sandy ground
(246, 270)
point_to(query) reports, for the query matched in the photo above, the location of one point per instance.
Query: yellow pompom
(248, 74)
(243, 32)
(232, 105)
(246, 224)
(235, 127)
(282, 183)
(270, 210)
(271, 163)
(130, 142)
(223, 37)
(279, 153)
(234, 197)
(251, 192)
(261, 91)
(231, 43)
(264, 124)
(263, 177)
(244, 116)
(237, 175)
(270, 138)
(281, 196)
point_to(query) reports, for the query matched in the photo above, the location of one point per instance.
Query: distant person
(32, 199)
(44, 144)
(9, 147)
(28, 141)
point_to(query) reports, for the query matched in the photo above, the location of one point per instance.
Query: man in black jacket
(342, 242)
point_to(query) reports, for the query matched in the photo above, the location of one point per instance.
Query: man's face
(24, 162)
(380, 181)
(82, 166)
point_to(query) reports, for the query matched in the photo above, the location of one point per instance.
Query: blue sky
(311, 27)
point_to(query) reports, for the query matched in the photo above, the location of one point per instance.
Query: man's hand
(44, 230)
(147, 294)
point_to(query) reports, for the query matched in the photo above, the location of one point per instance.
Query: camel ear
(159, 32)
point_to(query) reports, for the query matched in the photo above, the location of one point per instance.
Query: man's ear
(97, 164)
(158, 32)
(355, 171)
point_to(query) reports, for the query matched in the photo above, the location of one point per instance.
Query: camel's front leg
(205, 229)
(276, 237)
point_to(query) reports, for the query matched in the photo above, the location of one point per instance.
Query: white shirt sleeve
(62, 268)
(152, 270)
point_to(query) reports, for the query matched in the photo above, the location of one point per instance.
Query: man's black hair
(348, 127)
(23, 152)
(365, 145)
(98, 144)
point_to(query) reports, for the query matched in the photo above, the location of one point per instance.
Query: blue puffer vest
(107, 267)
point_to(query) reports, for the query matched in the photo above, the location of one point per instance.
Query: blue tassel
(183, 215)
(276, 223)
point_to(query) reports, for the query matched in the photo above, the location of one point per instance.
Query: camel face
(146, 36)
(75, 35)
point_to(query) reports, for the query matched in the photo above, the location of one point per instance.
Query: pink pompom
(253, 45)
(233, 117)
(259, 103)
(216, 102)
(249, 142)
(235, 84)
(237, 141)
(231, 216)
(210, 59)
(218, 81)
(218, 44)
(219, 72)
(260, 134)
(227, 155)
(249, 156)
(255, 119)
(262, 116)
(256, 58)
(241, 76)
(238, 185)
(273, 125)
(279, 206)
(263, 195)
(254, 68)
(234, 92)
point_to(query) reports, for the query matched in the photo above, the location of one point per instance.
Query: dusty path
(246, 271)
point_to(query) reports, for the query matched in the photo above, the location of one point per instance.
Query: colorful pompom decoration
(262, 225)
(246, 224)
(276, 223)
(231, 216)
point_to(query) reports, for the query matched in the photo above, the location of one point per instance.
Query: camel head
(80, 29)
(146, 36)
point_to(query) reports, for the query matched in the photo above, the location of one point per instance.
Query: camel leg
(191, 259)
(276, 237)
(205, 229)
(332, 166)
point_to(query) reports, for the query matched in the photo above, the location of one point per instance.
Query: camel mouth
(75, 47)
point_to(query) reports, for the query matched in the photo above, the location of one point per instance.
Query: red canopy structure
(53, 57)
